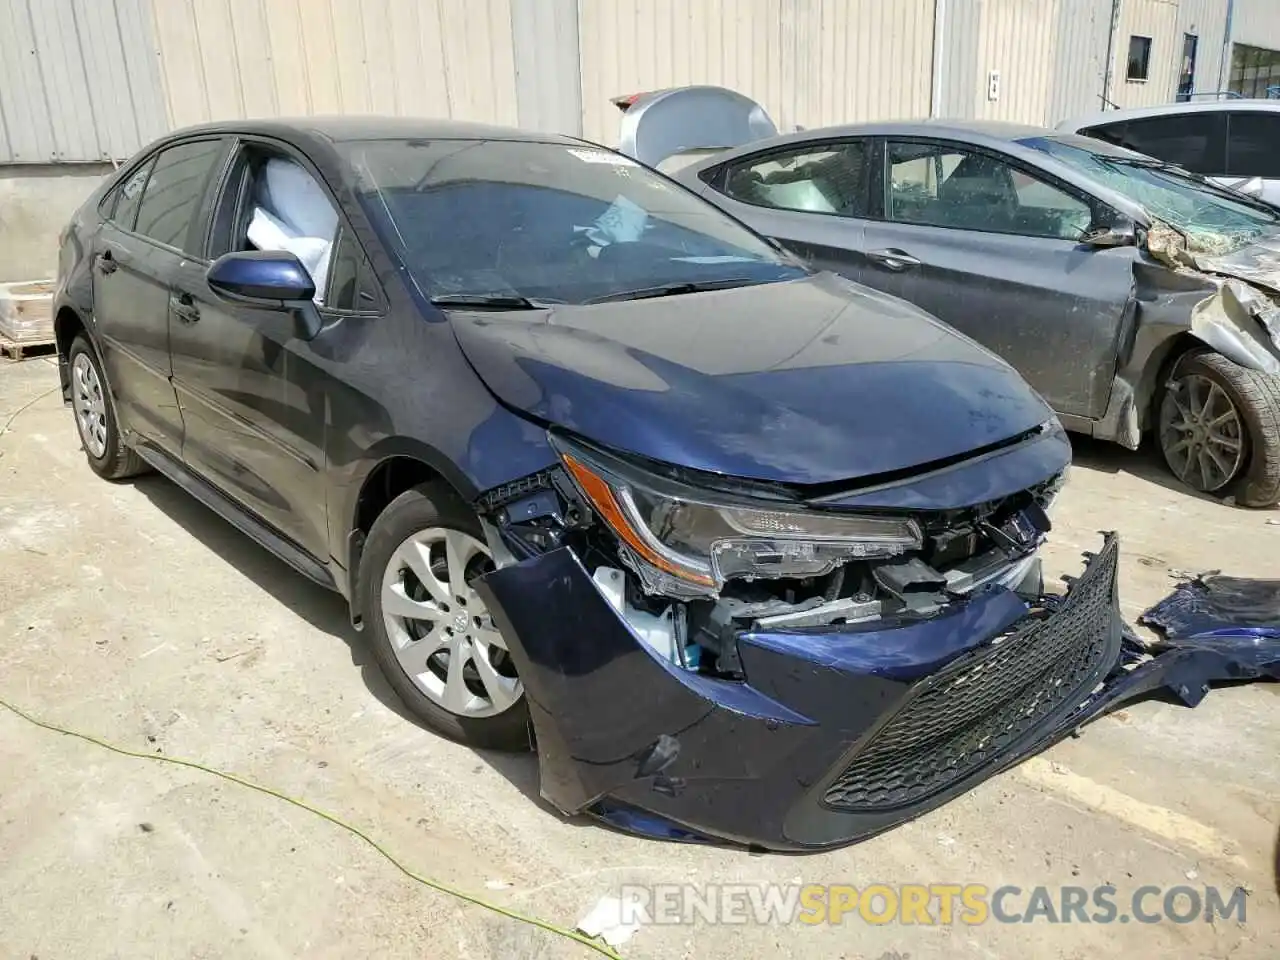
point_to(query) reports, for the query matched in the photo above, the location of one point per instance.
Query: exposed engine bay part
(663, 633)
(764, 573)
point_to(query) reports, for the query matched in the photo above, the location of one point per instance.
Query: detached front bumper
(836, 733)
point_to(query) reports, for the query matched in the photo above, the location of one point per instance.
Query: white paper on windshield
(623, 222)
(603, 156)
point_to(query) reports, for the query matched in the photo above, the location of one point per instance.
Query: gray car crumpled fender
(1241, 318)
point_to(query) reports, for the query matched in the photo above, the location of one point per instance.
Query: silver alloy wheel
(1201, 433)
(444, 637)
(90, 406)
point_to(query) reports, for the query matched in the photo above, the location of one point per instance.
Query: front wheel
(1219, 429)
(431, 633)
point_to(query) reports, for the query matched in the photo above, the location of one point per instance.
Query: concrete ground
(130, 611)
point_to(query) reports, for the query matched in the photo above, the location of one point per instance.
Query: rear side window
(1253, 147)
(128, 195)
(171, 202)
(815, 178)
(1194, 140)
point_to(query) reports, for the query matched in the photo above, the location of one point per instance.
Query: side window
(1253, 146)
(815, 178)
(272, 202)
(1110, 132)
(943, 186)
(129, 195)
(351, 284)
(1193, 140)
(171, 202)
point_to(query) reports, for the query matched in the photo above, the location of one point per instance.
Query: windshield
(547, 222)
(1215, 221)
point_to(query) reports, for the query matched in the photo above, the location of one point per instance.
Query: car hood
(1258, 263)
(802, 382)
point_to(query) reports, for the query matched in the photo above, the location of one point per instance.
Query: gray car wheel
(429, 628)
(1219, 429)
(95, 415)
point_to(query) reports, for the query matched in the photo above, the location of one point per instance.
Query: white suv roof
(1168, 110)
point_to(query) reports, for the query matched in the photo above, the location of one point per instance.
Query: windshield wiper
(675, 289)
(491, 301)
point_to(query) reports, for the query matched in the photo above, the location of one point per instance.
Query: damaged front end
(706, 658)
(1240, 318)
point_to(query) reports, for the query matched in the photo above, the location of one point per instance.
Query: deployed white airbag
(292, 213)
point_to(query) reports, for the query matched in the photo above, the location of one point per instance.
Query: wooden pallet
(18, 349)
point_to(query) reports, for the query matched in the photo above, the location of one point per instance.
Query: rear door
(150, 219)
(991, 247)
(1253, 153)
(810, 197)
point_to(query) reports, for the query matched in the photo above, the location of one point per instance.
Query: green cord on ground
(436, 885)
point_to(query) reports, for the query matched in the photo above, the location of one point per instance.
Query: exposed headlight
(686, 542)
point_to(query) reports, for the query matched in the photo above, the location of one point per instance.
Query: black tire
(118, 460)
(423, 507)
(1256, 397)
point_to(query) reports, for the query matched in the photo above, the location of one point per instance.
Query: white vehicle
(1234, 142)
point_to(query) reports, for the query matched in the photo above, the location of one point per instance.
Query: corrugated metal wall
(78, 80)
(1051, 56)
(88, 80)
(548, 78)
(809, 62)
(1256, 23)
(1080, 59)
(254, 58)
(1206, 20)
(1157, 19)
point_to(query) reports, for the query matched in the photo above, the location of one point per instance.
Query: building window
(1139, 58)
(1255, 72)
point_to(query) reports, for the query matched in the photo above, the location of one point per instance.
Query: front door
(993, 250)
(137, 251)
(252, 393)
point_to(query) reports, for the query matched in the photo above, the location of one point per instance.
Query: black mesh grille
(967, 715)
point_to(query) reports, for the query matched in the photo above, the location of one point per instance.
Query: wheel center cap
(460, 621)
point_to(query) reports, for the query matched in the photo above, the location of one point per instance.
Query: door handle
(895, 260)
(184, 307)
(106, 262)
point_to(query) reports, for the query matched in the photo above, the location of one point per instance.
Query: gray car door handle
(184, 307)
(895, 260)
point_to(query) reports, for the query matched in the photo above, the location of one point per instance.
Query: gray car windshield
(505, 221)
(1211, 217)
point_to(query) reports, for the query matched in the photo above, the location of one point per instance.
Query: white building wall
(809, 62)
(1256, 23)
(225, 59)
(1157, 19)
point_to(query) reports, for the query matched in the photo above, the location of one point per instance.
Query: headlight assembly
(683, 542)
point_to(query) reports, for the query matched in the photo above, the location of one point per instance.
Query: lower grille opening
(968, 715)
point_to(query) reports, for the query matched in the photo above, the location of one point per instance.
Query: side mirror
(269, 279)
(1120, 233)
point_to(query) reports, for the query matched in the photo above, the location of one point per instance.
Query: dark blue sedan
(745, 551)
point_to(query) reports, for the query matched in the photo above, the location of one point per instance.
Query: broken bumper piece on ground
(828, 735)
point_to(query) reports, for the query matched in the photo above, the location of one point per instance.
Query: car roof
(341, 128)
(1169, 110)
(992, 130)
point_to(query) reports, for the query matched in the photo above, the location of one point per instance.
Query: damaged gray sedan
(1133, 296)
